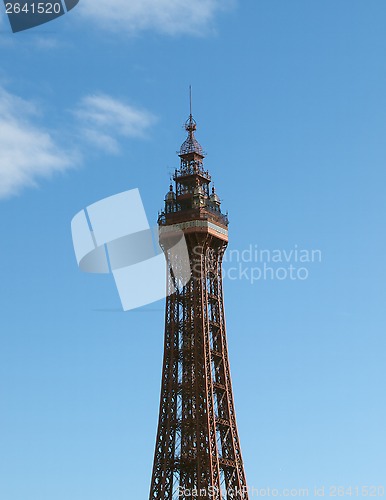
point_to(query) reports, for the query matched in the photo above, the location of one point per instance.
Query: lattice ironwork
(191, 145)
(197, 446)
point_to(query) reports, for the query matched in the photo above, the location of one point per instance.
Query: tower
(197, 451)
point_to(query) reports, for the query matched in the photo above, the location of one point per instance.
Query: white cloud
(27, 151)
(165, 16)
(104, 119)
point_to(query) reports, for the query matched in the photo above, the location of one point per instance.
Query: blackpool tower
(197, 452)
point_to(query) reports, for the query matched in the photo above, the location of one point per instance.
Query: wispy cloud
(27, 151)
(30, 152)
(104, 120)
(174, 17)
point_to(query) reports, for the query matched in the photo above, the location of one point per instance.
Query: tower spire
(190, 99)
(191, 145)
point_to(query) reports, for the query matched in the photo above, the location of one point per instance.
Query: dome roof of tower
(191, 145)
(214, 197)
(170, 195)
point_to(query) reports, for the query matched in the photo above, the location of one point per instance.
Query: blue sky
(290, 100)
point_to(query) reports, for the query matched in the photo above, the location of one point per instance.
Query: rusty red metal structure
(197, 449)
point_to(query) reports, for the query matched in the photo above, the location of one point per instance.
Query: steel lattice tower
(197, 446)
